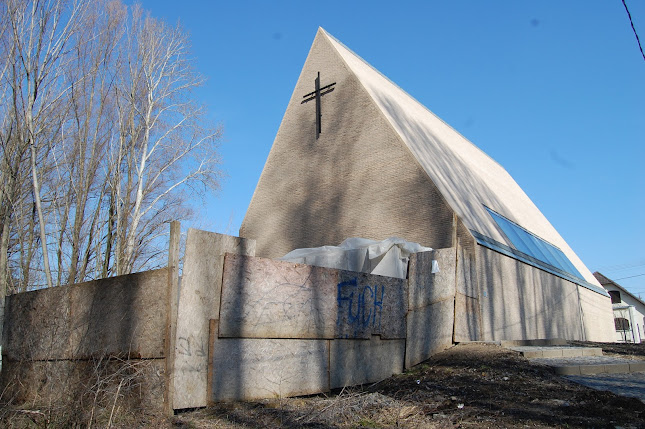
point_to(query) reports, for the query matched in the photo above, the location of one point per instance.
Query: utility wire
(637, 275)
(635, 34)
(622, 267)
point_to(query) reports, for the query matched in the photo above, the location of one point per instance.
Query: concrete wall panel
(266, 298)
(467, 282)
(245, 369)
(370, 305)
(36, 325)
(429, 331)
(199, 302)
(354, 362)
(122, 316)
(467, 319)
(425, 287)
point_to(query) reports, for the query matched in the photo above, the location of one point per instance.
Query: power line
(637, 275)
(634, 29)
(623, 267)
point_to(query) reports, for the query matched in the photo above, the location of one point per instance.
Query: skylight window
(533, 246)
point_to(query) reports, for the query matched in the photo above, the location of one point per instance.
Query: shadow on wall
(87, 345)
(523, 302)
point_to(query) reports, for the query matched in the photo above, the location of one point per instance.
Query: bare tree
(163, 147)
(98, 121)
(41, 32)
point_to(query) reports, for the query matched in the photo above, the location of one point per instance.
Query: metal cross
(319, 92)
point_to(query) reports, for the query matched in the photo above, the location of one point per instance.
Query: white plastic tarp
(385, 258)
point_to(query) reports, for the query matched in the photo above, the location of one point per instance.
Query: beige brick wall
(357, 179)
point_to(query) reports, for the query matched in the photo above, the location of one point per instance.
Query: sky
(553, 90)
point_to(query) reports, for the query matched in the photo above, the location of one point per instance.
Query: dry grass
(474, 386)
(108, 394)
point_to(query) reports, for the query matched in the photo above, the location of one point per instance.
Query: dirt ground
(467, 386)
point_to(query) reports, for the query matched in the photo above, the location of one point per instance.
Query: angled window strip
(533, 250)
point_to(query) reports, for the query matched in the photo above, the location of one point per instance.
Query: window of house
(615, 296)
(621, 323)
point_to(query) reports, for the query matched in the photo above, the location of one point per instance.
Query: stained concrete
(199, 302)
(267, 298)
(29, 336)
(426, 287)
(467, 318)
(245, 369)
(370, 305)
(118, 316)
(354, 362)
(521, 302)
(429, 331)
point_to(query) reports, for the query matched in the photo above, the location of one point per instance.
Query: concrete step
(589, 365)
(533, 352)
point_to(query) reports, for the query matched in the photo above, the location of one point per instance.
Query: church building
(356, 156)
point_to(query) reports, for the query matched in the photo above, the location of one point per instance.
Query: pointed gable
(385, 165)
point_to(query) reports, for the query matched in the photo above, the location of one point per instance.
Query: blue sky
(552, 90)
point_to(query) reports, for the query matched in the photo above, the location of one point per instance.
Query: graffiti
(190, 347)
(360, 307)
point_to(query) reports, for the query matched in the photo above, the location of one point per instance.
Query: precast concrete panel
(597, 315)
(250, 368)
(199, 302)
(121, 316)
(467, 319)
(354, 362)
(36, 325)
(370, 305)
(429, 331)
(267, 298)
(118, 316)
(426, 287)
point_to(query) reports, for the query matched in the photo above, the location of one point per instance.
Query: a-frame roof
(606, 281)
(469, 179)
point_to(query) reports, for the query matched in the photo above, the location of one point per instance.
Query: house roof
(605, 281)
(468, 178)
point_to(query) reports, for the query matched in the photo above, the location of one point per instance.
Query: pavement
(627, 384)
(589, 367)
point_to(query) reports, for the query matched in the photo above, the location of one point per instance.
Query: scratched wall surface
(199, 302)
(370, 305)
(265, 298)
(427, 288)
(467, 305)
(118, 316)
(250, 368)
(354, 362)
(429, 330)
